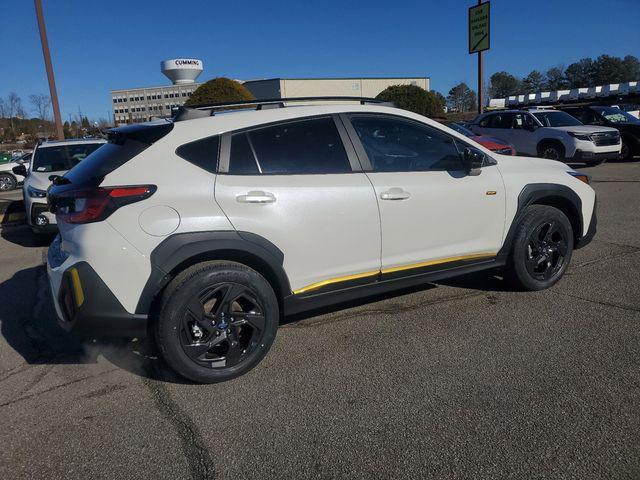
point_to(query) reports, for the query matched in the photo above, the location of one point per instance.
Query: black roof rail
(209, 109)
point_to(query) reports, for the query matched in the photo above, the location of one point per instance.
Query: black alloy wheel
(217, 320)
(541, 249)
(222, 325)
(546, 250)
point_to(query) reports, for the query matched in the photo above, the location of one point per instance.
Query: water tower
(182, 70)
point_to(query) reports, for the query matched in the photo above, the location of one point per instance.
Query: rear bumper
(85, 305)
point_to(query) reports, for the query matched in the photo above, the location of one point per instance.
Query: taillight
(94, 205)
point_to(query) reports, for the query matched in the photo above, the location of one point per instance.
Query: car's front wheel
(7, 182)
(217, 321)
(541, 248)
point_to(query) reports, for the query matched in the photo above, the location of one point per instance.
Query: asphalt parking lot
(464, 379)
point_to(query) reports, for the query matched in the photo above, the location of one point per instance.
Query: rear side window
(500, 120)
(202, 153)
(310, 146)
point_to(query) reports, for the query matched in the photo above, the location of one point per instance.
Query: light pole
(47, 63)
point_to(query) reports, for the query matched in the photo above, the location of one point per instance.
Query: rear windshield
(61, 157)
(105, 160)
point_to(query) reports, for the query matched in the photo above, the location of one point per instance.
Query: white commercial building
(320, 87)
(133, 105)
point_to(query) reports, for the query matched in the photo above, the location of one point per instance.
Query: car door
(497, 125)
(432, 212)
(300, 186)
(522, 133)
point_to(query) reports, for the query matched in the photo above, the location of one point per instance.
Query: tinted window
(61, 157)
(105, 160)
(556, 119)
(242, 161)
(460, 129)
(500, 120)
(615, 115)
(394, 145)
(303, 147)
(202, 153)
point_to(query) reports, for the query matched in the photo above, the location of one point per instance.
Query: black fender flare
(187, 248)
(535, 192)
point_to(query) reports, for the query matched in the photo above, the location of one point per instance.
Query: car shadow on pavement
(23, 236)
(485, 280)
(29, 325)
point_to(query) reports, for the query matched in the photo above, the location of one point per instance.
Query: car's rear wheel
(541, 248)
(7, 182)
(217, 321)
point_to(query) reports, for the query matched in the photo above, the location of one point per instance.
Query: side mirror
(530, 127)
(20, 170)
(473, 159)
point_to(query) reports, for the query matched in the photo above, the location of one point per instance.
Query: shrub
(414, 99)
(219, 90)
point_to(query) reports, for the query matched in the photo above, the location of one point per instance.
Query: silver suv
(550, 133)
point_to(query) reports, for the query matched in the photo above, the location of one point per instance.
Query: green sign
(479, 28)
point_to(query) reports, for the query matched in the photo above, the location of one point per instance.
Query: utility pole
(480, 78)
(47, 63)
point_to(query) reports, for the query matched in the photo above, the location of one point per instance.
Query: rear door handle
(256, 197)
(395, 193)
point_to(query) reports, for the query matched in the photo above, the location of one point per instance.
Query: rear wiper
(59, 180)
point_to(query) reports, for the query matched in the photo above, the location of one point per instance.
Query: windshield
(460, 129)
(556, 119)
(61, 157)
(615, 115)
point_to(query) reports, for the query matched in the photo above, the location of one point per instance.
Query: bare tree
(41, 105)
(13, 107)
(3, 108)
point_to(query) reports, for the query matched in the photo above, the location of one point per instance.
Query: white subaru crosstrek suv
(208, 228)
(49, 159)
(552, 134)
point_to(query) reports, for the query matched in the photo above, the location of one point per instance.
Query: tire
(541, 248)
(7, 182)
(627, 152)
(551, 151)
(217, 321)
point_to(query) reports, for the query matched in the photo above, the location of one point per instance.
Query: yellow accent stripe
(78, 294)
(315, 286)
(491, 192)
(475, 256)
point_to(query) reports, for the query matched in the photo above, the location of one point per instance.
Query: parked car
(550, 133)
(49, 159)
(626, 124)
(207, 229)
(8, 179)
(491, 143)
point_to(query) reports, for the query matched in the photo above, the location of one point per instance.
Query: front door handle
(256, 197)
(395, 193)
